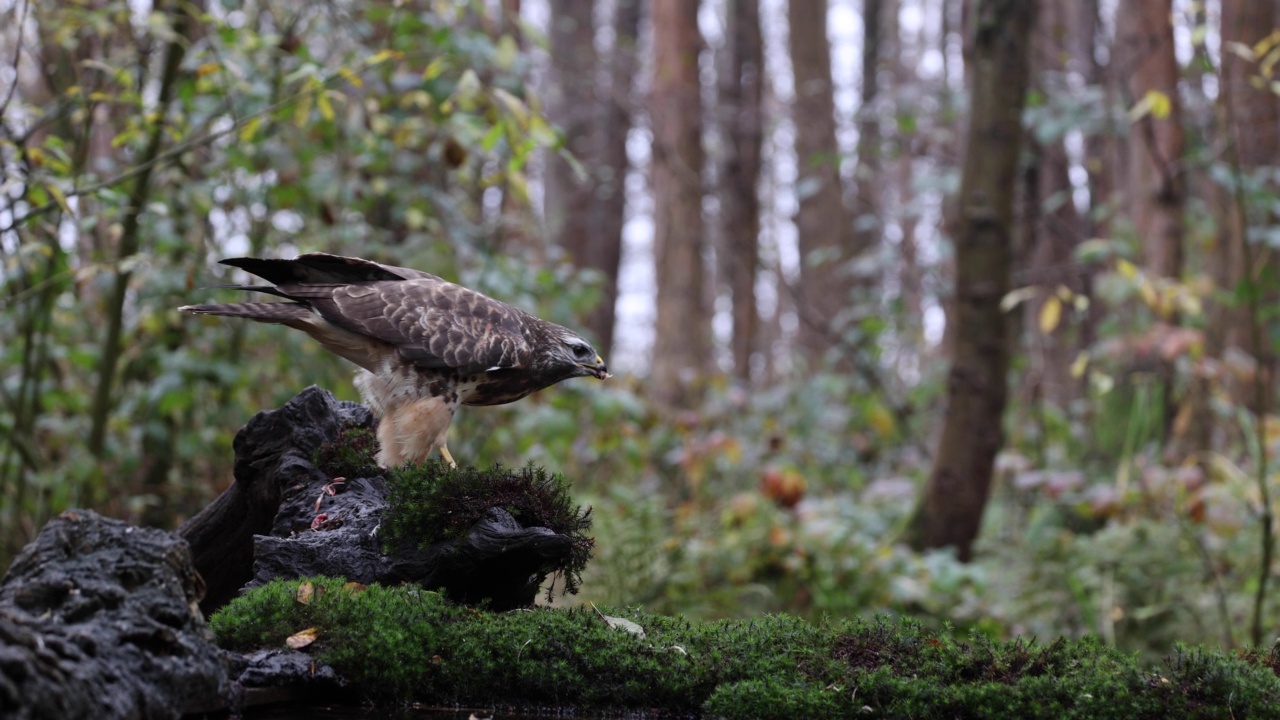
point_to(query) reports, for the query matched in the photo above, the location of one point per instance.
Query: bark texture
(1251, 112)
(741, 95)
(571, 104)
(822, 221)
(1144, 53)
(604, 252)
(1052, 228)
(682, 346)
(950, 511)
(98, 619)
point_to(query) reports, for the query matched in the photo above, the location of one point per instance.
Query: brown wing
(317, 268)
(431, 322)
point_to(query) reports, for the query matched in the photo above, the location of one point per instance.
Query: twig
(17, 58)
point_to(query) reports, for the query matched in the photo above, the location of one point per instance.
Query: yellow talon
(444, 452)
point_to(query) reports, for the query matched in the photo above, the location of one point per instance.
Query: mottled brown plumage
(425, 345)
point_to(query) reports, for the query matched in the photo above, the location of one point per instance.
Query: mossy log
(403, 644)
(308, 500)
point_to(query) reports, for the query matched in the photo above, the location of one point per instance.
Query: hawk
(424, 345)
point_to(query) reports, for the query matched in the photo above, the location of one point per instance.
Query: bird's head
(577, 354)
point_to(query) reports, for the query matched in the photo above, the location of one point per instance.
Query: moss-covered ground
(403, 644)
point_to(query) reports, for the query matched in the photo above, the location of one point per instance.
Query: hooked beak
(599, 370)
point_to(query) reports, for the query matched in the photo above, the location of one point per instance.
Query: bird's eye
(582, 352)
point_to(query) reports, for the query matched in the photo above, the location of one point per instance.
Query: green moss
(432, 502)
(352, 454)
(406, 644)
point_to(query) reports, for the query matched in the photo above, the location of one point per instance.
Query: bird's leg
(444, 452)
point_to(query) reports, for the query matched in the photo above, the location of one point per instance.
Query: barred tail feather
(269, 312)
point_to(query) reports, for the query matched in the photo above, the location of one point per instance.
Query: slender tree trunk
(1144, 50)
(1252, 118)
(605, 250)
(572, 105)
(1144, 54)
(1053, 227)
(821, 220)
(907, 146)
(740, 102)
(870, 177)
(950, 511)
(682, 346)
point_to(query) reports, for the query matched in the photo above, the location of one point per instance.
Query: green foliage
(432, 502)
(405, 644)
(377, 130)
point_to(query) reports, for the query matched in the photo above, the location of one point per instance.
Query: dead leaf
(306, 591)
(302, 638)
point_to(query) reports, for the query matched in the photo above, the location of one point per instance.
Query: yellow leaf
(354, 588)
(382, 56)
(1263, 46)
(1126, 268)
(250, 128)
(302, 638)
(58, 196)
(306, 591)
(513, 105)
(1080, 364)
(326, 108)
(518, 186)
(208, 68)
(880, 420)
(350, 77)
(434, 69)
(1050, 314)
(1149, 294)
(302, 110)
(1155, 103)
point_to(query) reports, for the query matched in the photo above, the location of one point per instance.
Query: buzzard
(424, 345)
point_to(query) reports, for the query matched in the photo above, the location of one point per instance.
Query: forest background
(948, 308)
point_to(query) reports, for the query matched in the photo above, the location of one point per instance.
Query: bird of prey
(424, 345)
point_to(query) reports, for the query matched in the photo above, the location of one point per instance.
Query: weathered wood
(98, 619)
(273, 454)
(268, 525)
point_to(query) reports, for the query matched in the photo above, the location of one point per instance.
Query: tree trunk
(682, 345)
(950, 511)
(870, 177)
(571, 104)
(605, 250)
(1145, 59)
(740, 103)
(1252, 116)
(821, 220)
(1144, 53)
(1053, 227)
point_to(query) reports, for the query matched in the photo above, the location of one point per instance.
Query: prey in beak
(599, 370)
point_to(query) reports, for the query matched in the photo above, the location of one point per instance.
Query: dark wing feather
(432, 323)
(323, 268)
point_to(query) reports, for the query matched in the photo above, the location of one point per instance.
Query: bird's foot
(444, 452)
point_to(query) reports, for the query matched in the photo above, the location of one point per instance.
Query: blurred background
(758, 212)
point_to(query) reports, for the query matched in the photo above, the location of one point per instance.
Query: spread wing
(316, 268)
(432, 323)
